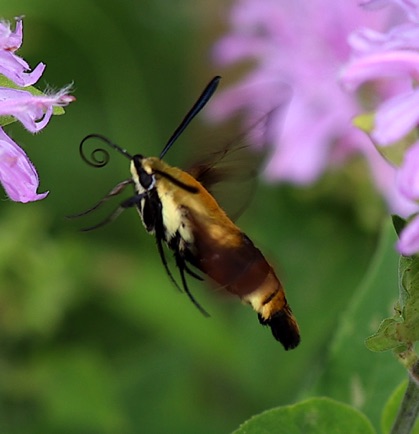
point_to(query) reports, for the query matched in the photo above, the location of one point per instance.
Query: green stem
(409, 408)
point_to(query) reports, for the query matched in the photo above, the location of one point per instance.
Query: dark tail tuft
(284, 328)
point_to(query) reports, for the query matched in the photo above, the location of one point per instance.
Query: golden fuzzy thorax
(178, 205)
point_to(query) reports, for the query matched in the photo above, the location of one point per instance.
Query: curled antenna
(99, 157)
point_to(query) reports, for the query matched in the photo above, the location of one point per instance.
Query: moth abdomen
(284, 327)
(269, 301)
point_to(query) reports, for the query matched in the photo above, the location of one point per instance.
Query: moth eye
(145, 179)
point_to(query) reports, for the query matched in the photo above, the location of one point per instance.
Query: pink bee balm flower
(299, 48)
(17, 174)
(399, 113)
(34, 112)
(391, 59)
(12, 66)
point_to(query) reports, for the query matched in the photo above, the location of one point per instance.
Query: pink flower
(34, 112)
(12, 66)
(298, 49)
(391, 59)
(17, 174)
(398, 114)
(408, 175)
(408, 243)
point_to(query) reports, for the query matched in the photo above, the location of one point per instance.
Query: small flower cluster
(391, 59)
(17, 174)
(301, 52)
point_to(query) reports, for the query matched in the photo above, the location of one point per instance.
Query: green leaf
(409, 287)
(5, 82)
(401, 331)
(314, 416)
(353, 374)
(386, 338)
(6, 120)
(392, 406)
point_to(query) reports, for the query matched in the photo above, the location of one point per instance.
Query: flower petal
(380, 65)
(11, 65)
(374, 4)
(408, 243)
(17, 174)
(408, 174)
(402, 37)
(16, 69)
(385, 178)
(396, 118)
(410, 7)
(34, 111)
(11, 41)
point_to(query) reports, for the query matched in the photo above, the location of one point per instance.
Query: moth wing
(229, 171)
(225, 254)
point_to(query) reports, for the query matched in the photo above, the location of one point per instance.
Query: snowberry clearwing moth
(177, 208)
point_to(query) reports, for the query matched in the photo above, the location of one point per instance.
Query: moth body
(200, 233)
(177, 208)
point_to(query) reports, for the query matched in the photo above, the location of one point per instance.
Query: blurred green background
(93, 337)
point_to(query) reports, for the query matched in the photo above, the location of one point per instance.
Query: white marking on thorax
(139, 189)
(173, 214)
(174, 218)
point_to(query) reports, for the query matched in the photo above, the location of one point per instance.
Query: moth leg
(164, 262)
(174, 244)
(114, 192)
(128, 203)
(180, 262)
(192, 273)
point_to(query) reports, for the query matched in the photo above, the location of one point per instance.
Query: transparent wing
(229, 170)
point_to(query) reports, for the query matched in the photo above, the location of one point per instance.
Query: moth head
(141, 173)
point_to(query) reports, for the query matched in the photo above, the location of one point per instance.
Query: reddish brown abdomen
(242, 270)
